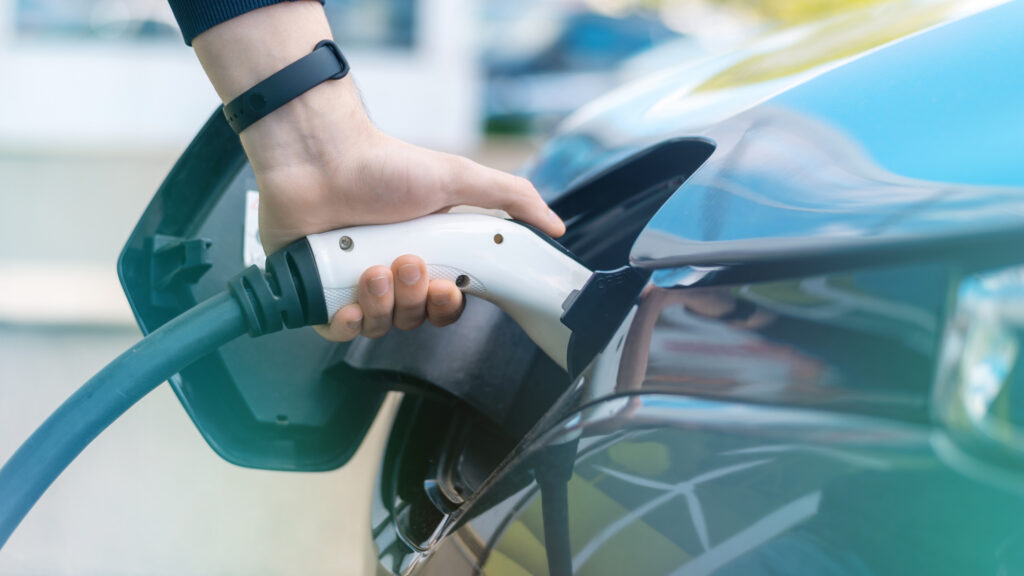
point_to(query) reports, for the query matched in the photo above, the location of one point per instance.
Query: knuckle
(445, 316)
(412, 309)
(409, 309)
(376, 313)
(523, 188)
(441, 321)
(328, 334)
(408, 323)
(375, 316)
(410, 312)
(337, 335)
(374, 331)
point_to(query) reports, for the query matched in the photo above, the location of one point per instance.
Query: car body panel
(917, 140)
(696, 97)
(769, 408)
(663, 484)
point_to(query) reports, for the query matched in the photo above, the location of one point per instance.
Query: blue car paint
(912, 142)
(804, 398)
(941, 106)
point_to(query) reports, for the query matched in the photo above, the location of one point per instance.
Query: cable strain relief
(289, 294)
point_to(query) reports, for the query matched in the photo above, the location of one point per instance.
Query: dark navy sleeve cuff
(197, 16)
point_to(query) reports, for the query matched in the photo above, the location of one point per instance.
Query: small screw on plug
(346, 243)
(498, 238)
(462, 281)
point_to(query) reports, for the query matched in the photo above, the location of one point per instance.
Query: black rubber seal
(326, 62)
(289, 294)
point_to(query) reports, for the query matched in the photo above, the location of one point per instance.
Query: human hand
(382, 180)
(320, 164)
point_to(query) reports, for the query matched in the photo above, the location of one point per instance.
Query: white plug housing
(492, 258)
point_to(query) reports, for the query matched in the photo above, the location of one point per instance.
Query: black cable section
(289, 294)
(553, 471)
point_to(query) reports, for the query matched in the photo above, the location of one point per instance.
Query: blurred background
(97, 100)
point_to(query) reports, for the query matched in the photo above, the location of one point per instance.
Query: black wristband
(326, 62)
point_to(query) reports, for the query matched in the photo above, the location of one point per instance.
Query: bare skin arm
(320, 164)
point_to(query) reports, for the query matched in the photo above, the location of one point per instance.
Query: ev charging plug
(532, 278)
(520, 270)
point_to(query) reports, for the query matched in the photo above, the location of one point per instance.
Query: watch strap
(325, 62)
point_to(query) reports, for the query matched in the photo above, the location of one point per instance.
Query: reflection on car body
(784, 395)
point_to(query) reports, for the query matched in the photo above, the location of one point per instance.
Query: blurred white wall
(87, 94)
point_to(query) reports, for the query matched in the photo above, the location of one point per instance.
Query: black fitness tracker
(326, 62)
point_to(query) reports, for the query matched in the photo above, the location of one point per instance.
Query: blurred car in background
(142, 20)
(568, 57)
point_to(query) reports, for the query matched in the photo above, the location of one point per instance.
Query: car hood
(910, 150)
(894, 123)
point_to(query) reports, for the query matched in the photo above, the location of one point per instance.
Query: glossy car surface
(815, 209)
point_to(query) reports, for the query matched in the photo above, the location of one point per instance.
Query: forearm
(241, 52)
(320, 164)
(244, 50)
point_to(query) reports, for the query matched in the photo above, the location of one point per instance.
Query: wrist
(323, 125)
(241, 52)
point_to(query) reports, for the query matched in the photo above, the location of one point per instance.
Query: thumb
(484, 187)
